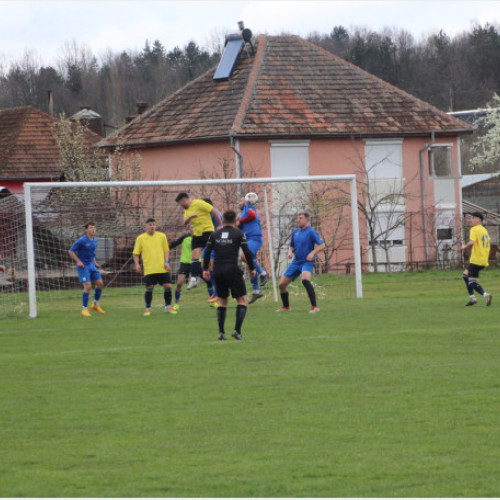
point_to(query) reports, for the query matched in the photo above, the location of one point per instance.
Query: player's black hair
(89, 224)
(209, 201)
(479, 215)
(181, 196)
(305, 214)
(229, 216)
(150, 220)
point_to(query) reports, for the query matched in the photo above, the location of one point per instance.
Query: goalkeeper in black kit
(226, 243)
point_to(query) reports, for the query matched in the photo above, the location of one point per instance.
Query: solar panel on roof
(232, 49)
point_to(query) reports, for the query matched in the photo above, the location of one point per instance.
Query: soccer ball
(251, 198)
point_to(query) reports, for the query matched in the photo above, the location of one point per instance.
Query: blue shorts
(254, 245)
(88, 273)
(295, 269)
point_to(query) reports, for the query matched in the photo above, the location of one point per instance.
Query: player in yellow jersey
(480, 242)
(198, 213)
(153, 247)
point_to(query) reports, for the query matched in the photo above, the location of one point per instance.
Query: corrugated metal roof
(469, 180)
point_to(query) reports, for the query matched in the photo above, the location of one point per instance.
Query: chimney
(51, 103)
(141, 107)
(92, 120)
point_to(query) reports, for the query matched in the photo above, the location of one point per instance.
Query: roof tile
(290, 87)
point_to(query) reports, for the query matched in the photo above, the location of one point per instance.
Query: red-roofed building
(28, 148)
(292, 108)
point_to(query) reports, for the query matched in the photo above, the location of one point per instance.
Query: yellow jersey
(481, 249)
(152, 249)
(203, 223)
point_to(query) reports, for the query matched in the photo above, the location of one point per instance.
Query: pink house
(291, 108)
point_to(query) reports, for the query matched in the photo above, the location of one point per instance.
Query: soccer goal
(55, 215)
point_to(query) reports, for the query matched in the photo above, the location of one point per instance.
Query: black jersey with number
(226, 243)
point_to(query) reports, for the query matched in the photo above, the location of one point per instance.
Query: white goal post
(294, 193)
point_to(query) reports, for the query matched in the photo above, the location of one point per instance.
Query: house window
(440, 160)
(384, 159)
(445, 221)
(385, 189)
(445, 234)
(289, 158)
(389, 229)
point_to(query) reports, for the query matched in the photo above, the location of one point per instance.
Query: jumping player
(249, 223)
(197, 212)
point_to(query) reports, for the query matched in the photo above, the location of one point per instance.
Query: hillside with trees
(452, 73)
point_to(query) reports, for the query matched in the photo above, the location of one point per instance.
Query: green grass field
(393, 395)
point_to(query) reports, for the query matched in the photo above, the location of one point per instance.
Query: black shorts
(157, 279)
(230, 278)
(200, 241)
(184, 268)
(473, 270)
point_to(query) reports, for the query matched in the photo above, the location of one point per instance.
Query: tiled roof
(28, 149)
(290, 88)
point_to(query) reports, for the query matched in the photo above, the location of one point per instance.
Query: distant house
(291, 108)
(482, 190)
(28, 149)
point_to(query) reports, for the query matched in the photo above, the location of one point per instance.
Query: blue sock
(85, 299)
(177, 296)
(97, 295)
(258, 268)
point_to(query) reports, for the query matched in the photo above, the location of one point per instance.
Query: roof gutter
(326, 135)
(235, 146)
(422, 188)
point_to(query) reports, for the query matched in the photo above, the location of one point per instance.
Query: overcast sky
(45, 27)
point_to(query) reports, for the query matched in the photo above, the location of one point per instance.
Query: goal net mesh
(59, 214)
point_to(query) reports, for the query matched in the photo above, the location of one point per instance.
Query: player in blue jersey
(249, 223)
(83, 253)
(304, 246)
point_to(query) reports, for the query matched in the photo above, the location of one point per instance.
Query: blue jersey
(251, 229)
(303, 241)
(214, 220)
(85, 249)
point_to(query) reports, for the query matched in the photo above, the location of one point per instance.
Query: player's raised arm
(215, 213)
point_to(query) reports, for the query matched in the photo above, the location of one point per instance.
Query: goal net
(57, 212)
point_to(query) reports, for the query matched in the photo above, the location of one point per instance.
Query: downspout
(239, 163)
(422, 187)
